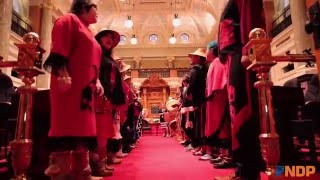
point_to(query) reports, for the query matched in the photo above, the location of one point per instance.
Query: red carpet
(159, 158)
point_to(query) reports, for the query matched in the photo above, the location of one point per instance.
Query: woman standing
(108, 122)
(74, 62)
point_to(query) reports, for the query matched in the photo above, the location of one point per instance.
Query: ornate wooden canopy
(155, 92)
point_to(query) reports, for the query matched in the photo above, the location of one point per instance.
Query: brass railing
(281, 22)
(19, 26)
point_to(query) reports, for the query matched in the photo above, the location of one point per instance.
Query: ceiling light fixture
(133, 40)
(128, 23)
(172, 39)
(176, 21)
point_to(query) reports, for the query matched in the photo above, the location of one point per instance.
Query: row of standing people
(89, 97)
(224, 101)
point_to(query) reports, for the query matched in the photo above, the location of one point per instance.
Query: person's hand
(189, 125)
(245, 61)
(99, 88)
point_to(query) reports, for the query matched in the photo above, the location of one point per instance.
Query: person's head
(86, 9)
(212, 51)
(198, 56)
(108, 39)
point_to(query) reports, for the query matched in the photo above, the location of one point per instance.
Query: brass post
(21, 146)
(259, 52)
(261, 62)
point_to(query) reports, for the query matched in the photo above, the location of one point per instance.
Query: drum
(168, 116)
(172, 105)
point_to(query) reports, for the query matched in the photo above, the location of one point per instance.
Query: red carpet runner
(159, 158)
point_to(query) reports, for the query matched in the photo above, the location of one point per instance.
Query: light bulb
(133, 40)
(176, 21)
(128, 23)
(172, 40)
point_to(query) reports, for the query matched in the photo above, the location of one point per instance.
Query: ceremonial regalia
(72, 113)
(217, 102)
(196, 89)
(237, 20)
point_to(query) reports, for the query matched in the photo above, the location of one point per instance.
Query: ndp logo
(295, 171)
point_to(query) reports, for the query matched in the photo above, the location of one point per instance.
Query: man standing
(196, 93)
(237, 20)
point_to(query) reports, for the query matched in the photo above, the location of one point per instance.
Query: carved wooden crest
(154, 80)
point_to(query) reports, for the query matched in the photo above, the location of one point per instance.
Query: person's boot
(120, 154)
(106, 165)
(59, 168)
(79, 166)
(112, 159)
(102, 152)
(98, 166)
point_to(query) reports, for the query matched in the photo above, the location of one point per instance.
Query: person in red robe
(217, 126)
(237, 20)
(108, 123)
(74, 63)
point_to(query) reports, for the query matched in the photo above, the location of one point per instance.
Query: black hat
(115, 36)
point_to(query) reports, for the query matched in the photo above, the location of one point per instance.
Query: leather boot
(102, 152)
(108, 166)
(59, 168)
(112, 159)
(98, 166)
(120, 154)
(79, 167)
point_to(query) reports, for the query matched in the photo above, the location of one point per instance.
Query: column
(144, 92)
(137, 62)
(5, 28)
(299, 17)
(170, 61)
(45, 36)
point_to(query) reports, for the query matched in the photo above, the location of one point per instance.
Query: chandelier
(133, 40)
(172, 39)
(176, 21)
(128, 23)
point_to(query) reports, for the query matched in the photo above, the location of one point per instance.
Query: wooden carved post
(164, 93)
(30, 53)
(259, 52)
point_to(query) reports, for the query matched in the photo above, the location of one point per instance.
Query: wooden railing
(145, 73)
(182, 72)
(164, 73)
(281, 22)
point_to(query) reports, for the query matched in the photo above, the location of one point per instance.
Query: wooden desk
(155, 125)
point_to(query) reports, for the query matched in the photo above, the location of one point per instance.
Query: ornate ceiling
(154, 17)
(198, 19)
